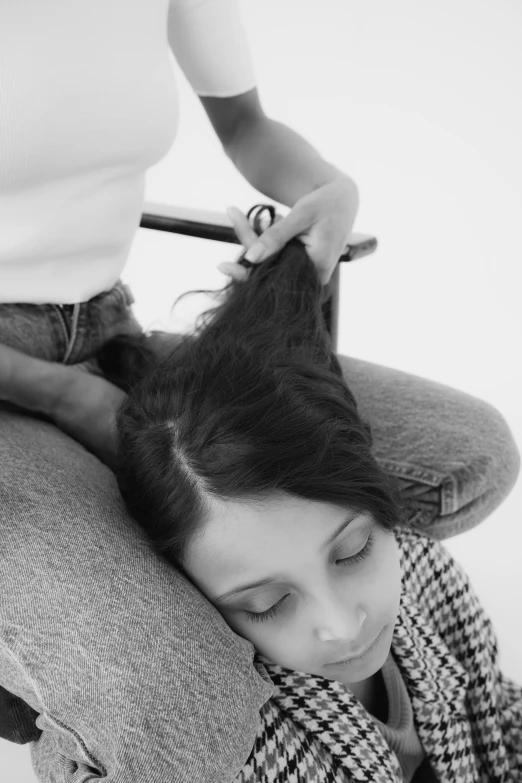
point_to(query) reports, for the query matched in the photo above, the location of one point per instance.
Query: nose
(340, 623)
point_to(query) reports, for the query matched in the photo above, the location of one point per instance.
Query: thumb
(276, 236)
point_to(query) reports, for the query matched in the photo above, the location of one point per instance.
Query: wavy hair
(251, 404)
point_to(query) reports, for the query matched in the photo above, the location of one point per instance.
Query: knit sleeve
(209, 42)
(468, 631)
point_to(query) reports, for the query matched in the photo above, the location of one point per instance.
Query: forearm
(34, 384)
(81, 404)
(279, 163)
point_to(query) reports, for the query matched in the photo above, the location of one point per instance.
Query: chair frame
(217, 226)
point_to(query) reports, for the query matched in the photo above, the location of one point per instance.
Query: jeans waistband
(119, 289)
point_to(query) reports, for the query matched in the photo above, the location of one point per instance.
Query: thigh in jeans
(453, 454)
(133, 674)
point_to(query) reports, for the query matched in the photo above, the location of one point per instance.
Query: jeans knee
(479, 485)
(473, 474)
(502, 456)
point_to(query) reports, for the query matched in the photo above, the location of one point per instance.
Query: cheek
(388, 574)
(379, 589)
(274, 646)
(252, 632)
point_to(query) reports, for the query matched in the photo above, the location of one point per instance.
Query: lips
(356, 654)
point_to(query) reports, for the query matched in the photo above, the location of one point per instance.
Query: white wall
(420, 104)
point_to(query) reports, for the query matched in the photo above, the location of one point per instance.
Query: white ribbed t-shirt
(88, 102)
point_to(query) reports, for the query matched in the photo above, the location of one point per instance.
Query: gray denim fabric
(452, 453)
(134, 676)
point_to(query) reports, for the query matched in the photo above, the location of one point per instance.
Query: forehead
(242, 534)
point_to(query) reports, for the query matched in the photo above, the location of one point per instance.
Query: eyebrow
(248, 586)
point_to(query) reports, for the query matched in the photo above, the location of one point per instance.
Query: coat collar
(437, 685)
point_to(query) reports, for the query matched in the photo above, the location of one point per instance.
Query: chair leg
(331, 307)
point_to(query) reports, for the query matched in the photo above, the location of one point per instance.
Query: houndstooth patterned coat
(467, 714)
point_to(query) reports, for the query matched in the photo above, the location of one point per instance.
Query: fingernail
(255, 253)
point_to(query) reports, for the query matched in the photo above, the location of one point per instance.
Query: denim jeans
(112, 664)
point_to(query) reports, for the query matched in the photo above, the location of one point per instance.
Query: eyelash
(258, 617)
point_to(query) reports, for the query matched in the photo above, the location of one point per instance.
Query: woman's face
(322, 609)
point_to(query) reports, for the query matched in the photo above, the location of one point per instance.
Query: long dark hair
(252, 403)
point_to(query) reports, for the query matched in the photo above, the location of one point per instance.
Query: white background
(420, 104)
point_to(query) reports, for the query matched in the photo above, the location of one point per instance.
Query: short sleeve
(209, 42)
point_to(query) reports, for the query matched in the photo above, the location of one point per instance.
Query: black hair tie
(259, 218)
(259, 224)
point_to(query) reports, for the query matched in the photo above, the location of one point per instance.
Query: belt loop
(128, 294)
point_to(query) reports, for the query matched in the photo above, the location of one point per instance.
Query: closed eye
(258, 617)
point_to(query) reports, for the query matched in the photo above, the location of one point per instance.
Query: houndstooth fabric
(467, 714)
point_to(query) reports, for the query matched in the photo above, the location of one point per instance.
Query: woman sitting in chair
(241, 453)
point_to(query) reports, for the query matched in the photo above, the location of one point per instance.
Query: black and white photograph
(260, 384)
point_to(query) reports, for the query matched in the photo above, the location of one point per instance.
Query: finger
(295, 224)
(235, 271)
(244, 231)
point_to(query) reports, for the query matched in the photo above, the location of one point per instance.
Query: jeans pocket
(422, 488)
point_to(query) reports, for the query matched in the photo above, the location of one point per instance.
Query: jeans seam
(446, 482)
(82, 744)
(74, 332)
(63, 323)
(448, 496)
(405, 469)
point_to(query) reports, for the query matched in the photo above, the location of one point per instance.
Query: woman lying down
(242, 455)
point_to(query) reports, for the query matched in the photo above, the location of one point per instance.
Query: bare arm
(81, 404)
